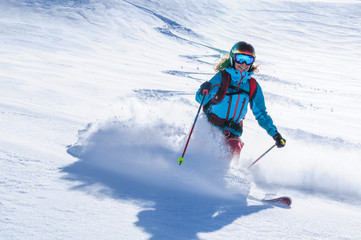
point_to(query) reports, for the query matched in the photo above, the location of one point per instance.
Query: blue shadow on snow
(175, 214)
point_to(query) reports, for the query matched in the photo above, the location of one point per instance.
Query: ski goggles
(240, 58)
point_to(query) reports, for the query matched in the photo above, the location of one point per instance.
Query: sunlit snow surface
(97, 100)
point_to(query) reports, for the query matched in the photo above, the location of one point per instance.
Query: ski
(283, 201)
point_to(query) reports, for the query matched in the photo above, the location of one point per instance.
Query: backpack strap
(226, 77)
(252, 88)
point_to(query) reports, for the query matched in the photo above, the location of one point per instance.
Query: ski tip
(180, 160)
(288, 201)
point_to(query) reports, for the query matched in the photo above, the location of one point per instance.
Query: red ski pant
(235, 144)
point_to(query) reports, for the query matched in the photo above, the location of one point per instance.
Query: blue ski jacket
(233, 108)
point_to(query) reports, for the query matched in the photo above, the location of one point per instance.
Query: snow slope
(97, 99)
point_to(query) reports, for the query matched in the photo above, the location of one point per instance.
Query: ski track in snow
(124, 73)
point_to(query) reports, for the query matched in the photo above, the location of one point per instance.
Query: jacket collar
(237, 77)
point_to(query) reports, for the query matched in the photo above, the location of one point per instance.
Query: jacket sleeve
(216, 83)
(258, 107)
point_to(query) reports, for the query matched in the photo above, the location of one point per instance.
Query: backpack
(222, 92)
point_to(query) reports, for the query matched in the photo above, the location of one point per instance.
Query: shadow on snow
(174, 214)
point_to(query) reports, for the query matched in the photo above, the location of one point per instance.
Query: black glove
(280, 141)
(206, 88)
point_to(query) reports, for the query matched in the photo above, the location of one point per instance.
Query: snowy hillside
(97, 100)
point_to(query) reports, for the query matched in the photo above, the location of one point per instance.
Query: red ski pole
(261, 156)
(181, 159)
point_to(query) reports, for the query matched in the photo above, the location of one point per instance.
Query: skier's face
(242, 67)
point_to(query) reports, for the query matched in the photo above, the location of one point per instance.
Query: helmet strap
(231, 61)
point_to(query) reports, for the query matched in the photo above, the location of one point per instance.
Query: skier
(228, 93)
